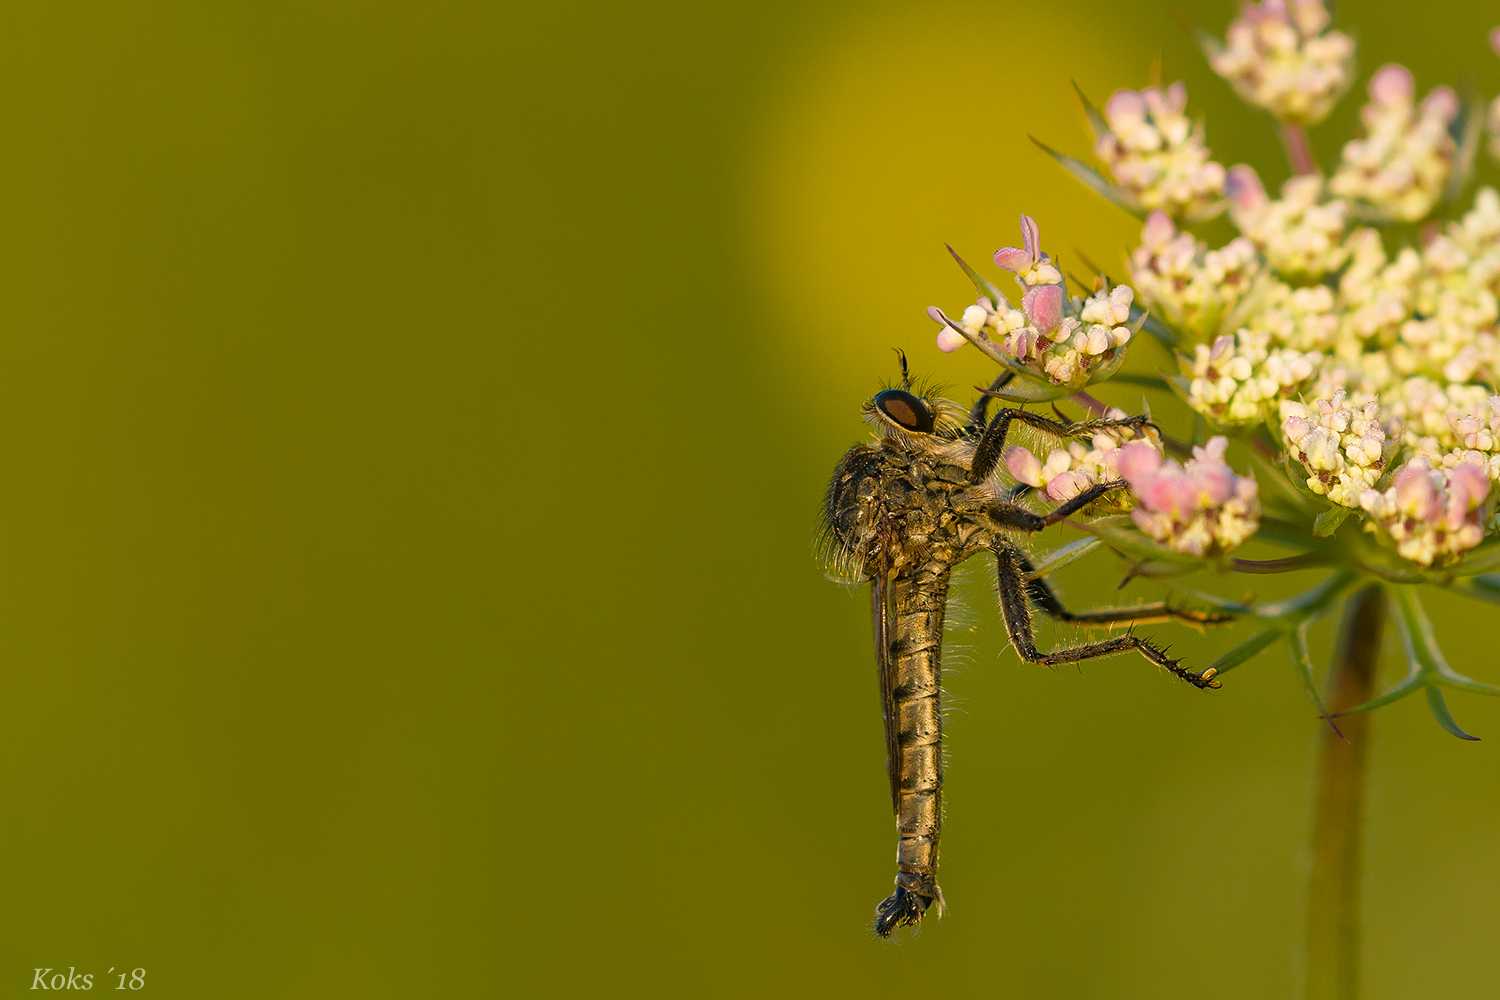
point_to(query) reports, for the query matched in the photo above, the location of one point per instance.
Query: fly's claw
(1206, 680)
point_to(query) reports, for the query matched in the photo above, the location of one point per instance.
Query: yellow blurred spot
(896, 134)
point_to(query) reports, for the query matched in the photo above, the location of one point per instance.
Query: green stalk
(1338, 811)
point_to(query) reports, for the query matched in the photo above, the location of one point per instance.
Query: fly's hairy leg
(992, 443)
(979, 413)
(916, 608)
(1011, 516)
(1015, 601)
(1043, 596)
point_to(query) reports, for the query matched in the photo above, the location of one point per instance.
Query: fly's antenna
(905, 378)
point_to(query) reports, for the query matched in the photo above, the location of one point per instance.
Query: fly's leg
(992, 443)
(1015, 608)
(979, 413)
(1012, 516)
(1043, 596)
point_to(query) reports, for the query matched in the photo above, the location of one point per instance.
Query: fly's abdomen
(917, 703)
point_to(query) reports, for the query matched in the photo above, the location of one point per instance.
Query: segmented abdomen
(918, 602)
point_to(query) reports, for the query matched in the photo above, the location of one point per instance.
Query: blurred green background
(414, 419)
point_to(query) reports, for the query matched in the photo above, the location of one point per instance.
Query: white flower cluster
(1449, 424)
(1407, 332)
(1344, 449)
(1304, 319)
(1428, 409)
(1377, 363)
(1302, 234)
(1451, 333)
(1478, 433)
(1193, 287)
(1198, 508)
(1063, 342)
(1068, 472)
(1478, 232)
(1286, 61)
(1155, 155)
(1433, 515)
(1400, 167)
(1081, 342)
(1242, 378)
(1375, 294)
(1060, 348)
(1069, 353)
(982, 319)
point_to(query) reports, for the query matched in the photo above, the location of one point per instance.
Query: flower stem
(1338, 811)
(1306, 560)
(1089, 403)
(1298, 149)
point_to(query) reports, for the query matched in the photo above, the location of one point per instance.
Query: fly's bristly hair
(902, 512)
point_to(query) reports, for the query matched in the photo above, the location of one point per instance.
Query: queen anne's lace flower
(1478, 232)
(1449, 424)
(1241, 379)
(1027, 262)
(1454, 311)
(1302, 234)
(1362, 362)
(1286, 61)
(1082, 342)
(1478, 434)
(1375, 294)
(1400, 167)
(1426, 408)
(1061, 341)
(1305, 319)
(1156, 156)
(1433, 515)
(1345, 450)
(1198, 508)
(1193, 287)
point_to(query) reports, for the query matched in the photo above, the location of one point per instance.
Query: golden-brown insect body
(902, 513)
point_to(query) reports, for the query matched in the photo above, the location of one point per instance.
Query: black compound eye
(905, 410)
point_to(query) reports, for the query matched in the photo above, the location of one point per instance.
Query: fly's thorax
(897, 502)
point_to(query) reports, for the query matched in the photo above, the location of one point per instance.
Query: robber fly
(902, 513)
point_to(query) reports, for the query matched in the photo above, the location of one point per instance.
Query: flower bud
(1043, 304)
(1023, 465)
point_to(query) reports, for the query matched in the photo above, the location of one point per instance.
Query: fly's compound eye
(908, 412)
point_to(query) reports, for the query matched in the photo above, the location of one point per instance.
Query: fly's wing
(882, 612)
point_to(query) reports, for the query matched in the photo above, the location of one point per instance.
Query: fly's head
(907, 415)
(872, 482)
